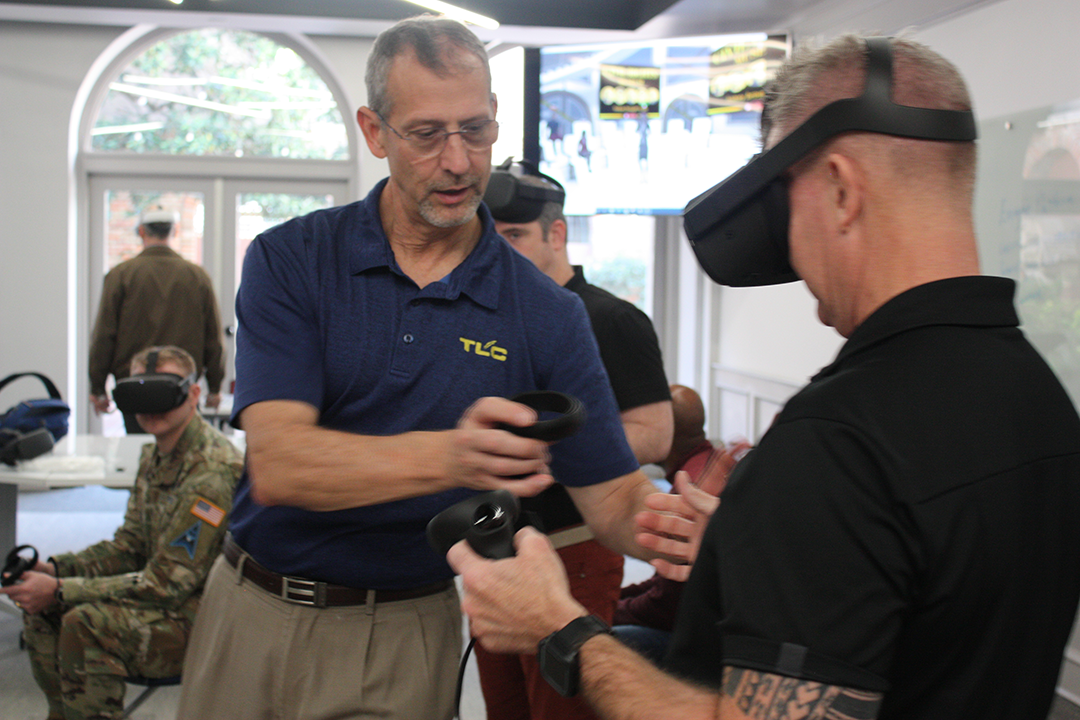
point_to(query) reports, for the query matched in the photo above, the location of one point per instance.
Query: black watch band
(558, 653)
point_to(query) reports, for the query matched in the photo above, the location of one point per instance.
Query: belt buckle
(303, 592)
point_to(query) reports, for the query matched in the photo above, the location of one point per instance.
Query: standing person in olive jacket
(155, 298)
(125, 606)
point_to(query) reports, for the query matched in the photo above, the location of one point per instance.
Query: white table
(74, 461)
(219, 416)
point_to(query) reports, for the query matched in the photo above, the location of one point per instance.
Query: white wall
(1015, 54)
(41, 70)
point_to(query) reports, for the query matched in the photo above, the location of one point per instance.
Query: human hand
(484, 457)
(515, 603)
(34, 592)
(674, 524)
(714, 475)
(213, 400)
(100, 403)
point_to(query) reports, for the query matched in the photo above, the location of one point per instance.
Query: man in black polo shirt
(527, 207)
(903, 542)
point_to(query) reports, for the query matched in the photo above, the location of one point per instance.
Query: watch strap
(558, 653)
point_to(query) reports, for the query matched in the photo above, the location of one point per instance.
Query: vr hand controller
(559, 415)
(16, 564)
(488, 521)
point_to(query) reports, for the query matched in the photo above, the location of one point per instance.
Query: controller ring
(571, 415)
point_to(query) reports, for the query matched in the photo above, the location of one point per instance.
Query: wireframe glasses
(427, 142)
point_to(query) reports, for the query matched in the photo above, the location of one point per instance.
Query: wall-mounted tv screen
(644, 127)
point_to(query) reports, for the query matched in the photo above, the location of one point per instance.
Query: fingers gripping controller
(16, 564)
(488, 521)
(568, 411)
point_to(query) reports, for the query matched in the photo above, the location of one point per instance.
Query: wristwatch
(558, 653)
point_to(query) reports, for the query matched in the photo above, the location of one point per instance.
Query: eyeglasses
(427, 142)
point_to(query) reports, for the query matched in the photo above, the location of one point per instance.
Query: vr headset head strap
(724, 213)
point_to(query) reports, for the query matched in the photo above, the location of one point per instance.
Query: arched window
(223, 93)
(235, 131)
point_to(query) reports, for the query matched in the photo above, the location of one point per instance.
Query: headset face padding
(16, 445)
(151, 393)
(739, 228)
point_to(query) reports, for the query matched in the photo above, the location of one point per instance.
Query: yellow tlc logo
(488, 349)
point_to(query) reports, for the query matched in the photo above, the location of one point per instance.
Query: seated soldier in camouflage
(125, 606)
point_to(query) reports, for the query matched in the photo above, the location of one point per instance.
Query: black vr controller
(569, 414)
(488, 521)
(16, 564)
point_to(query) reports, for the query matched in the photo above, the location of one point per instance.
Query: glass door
(219, 217)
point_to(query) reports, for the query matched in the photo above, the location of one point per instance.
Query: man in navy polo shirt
(377, 343)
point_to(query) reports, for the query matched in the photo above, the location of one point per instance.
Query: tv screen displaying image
(645, 127)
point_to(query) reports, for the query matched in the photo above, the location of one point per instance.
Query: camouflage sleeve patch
(189, 539)
(207, 511)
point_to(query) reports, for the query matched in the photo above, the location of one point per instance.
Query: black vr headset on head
(739, 228)
(152, 393)
(513, 201)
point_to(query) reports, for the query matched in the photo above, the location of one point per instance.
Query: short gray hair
(818, 75)
(433, 39)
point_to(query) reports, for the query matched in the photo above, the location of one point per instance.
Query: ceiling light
(455, 12)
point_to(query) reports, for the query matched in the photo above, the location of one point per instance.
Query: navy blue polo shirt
(326, 317)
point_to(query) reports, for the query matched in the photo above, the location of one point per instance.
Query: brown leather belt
(302, 591)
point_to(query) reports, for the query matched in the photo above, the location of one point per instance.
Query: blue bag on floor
(29, 415)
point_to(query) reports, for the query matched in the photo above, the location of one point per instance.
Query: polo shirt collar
(577, 282)
(976, 301)
(479, 276)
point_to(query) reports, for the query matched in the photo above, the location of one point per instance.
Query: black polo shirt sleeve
(815, 566)
(631, 355)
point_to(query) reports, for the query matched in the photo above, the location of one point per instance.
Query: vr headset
(513, 201)
(152, 393)
(739, 228)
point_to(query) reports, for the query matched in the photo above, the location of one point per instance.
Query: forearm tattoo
(764, 696)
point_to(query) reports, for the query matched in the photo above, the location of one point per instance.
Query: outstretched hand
(674, 524)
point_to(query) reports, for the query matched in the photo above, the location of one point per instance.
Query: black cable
(461, 677)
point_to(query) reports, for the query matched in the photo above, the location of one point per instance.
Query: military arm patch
(189, 539)
(208, 511)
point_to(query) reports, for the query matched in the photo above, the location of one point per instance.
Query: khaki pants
(253, 655)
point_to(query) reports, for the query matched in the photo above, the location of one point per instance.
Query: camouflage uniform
(129, 602)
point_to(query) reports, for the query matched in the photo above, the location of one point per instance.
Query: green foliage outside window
(622, 277)
(223, 93)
